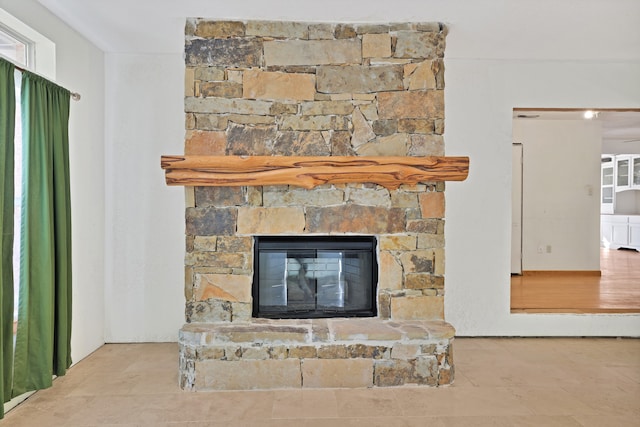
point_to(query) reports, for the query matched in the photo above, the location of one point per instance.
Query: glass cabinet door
(622, 175)
(636, 171)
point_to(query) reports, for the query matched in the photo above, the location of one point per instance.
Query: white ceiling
(487, 29)
(619, 127)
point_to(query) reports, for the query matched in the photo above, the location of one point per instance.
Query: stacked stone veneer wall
(316, 89)
(286, 88)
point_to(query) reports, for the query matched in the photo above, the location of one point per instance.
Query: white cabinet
(620, 231)
(607, 190)
(627, 172)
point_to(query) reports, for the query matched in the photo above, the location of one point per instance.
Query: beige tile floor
(499, 382)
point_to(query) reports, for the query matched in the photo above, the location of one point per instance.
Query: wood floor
(616, 291)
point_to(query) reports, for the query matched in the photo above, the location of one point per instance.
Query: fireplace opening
(314, 276)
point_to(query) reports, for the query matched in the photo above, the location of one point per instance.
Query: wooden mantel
(311, 171)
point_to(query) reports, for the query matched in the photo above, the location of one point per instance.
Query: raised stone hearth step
(268, 354)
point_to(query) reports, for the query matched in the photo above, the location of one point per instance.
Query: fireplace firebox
(314, 276)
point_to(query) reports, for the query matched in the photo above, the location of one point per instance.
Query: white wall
(145, 218)
(500, 55)
(561, 192)
(80, 68)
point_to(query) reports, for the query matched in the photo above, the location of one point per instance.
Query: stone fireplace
(314, 89)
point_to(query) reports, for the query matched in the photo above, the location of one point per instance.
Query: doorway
(556, 191)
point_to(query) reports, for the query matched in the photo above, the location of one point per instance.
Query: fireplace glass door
(314, 276)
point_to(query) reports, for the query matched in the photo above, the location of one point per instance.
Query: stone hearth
(314, 89)
(315, 353)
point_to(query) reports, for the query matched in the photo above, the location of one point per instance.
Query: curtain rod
(74, 95)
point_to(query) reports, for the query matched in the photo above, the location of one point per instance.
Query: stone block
(204, 353)
(234, 244)
(376, 45)
(345, 31)
(427, 45)
(416, 126)
(250, 140)
(405, 351)
(241, 311)
(303, 352)
(255, 353)
(398, 242)
(432, 204)
(219, 196)
(293, 143)
(278, 29)
(426, 145)
(294, 197)
(204, 243)
(428, 226)
(211, 122)
(219, 29)
(365, 29)
(220, 89)
(425, 371)
(322, 108)
(438, 125)
(306, 123)
(427, 104)
(403, 199)
(209, 74)
(248, 374)
(359, 79)
(332, 352)
(208, 311)
(418, 261)
(312, 52)
(189, 83)
(189, 121)
(219, 262)
(227, 106)
(288, 86)
(421, 281)
(390, 272)
(327, 373)
(364, 329)
(268, 334)
(417, 308)
(384, 305)
(340, 142)
(232, 52)
(276, 220)
(392, 145)
(205, 143)
(369, 196)
(362, 130)
(385, 127)
(226, 287)
(375, 352)
(321, 31)
(210, 221)
(421, 76)
(283, 108)
(388, 373)
(355, 219)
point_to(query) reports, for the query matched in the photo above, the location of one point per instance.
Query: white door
(516, 209)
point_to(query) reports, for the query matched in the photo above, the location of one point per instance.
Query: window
(16, 47)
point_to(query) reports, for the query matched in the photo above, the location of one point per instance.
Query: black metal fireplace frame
(303, 243)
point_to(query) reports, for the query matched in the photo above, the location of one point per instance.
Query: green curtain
(7, 128)
(44, 307)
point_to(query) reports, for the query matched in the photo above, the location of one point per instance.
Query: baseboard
(561, 273)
